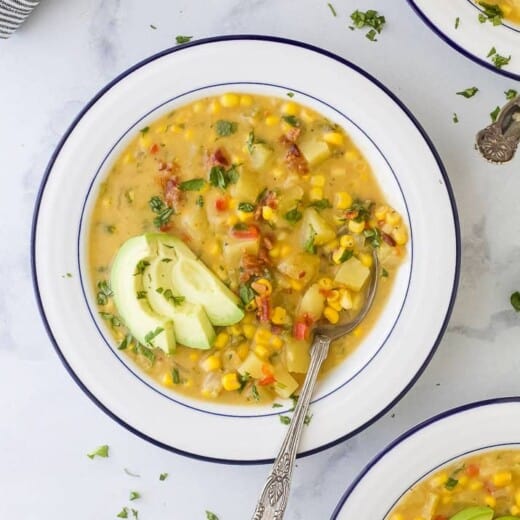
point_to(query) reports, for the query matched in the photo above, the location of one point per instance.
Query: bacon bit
(165, 166)
(269, 376)
(291, 136)
(276, 329)
(222, 204)
(216, 158)
(472, 470)
(302, 327)
(154, 148)
(295, 160)
(301, 275)
(268, 242)
(165, 227)
(440, 517)
(245, 232)
(172, 193)
(351, 214)
(270, 199)
(253, 265)
(185, 237)
(264, 308)
(388, 239)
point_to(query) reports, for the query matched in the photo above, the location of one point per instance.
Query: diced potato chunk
(285, 384)
(314, 151)
(297, 357)
(195, 223)
(247, 187)
(300, 266)
(353, 274)
(260, 156)
(312, 303)
(233, 250)
(252, 365)
(313, 222)
(289, 198)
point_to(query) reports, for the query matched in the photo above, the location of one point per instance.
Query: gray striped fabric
(13, 13)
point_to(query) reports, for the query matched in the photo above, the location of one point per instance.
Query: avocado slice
(126, 280)
(474, 513)
(199, 285)
(190, 322)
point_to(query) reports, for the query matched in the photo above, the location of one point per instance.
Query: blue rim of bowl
(459, 48)
(412, 431)
(272, 39)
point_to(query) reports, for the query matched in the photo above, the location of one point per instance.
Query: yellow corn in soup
(281, 206)
(481, 487)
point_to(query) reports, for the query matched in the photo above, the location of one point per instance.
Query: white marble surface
(63, 55)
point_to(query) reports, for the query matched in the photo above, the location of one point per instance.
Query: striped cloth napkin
(13, 13)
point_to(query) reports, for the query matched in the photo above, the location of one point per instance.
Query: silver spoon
(498, 142)
(275, 494)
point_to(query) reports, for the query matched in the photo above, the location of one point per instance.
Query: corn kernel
(167, 379)
(267, 213)
(447, 499)
(476, 485)
(289, 108)
(307, 117)
(160, 129)
(262, 286)
(211, 363)
(189, 134)
(277, 342)
(272, 120)
(232, 220)
(107, 202)
(197, 107)
(262, 336)
(127, 158)
(325, 283)
(244, 216)
(334, 296)
(246, 101)
(214, 107)
(346, 300)
(176, 129)
(316, 193)
(380, 212)
(229, 100)
(249, 330)
(343, 200)
(331, 314)
(337, 255)
(230, 382)
(366, 259)
(274, 252)
(397, 516)
(463, 480)
(285, 250)
(194, 356)
(330, 246)
(232, 202)
(221, 340)
(490, 501)
(351, 155)
(336, 305)
(356, 227)
(400, 235)
(279, 316)
(235, 330)
(393, 218)
(318, 180)
(262, 351)
(502, 478)
(214, 249)
(347, 241)
(515, 510)
(296, 285)
(335, 138)
(358, 332)
(243, 351)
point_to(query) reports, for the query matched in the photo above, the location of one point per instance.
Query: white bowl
(424, 449)
(472, 38)
(408, 168)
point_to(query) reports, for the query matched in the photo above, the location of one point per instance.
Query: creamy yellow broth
(490, 480)
(282, 164)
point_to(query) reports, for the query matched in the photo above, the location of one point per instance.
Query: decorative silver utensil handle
(275, 493)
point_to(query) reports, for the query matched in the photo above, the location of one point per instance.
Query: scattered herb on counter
(162, 210)
(468, 93)
(515, 301)
(211, 516)
(163, 476)
(285, 419)
(123, 513)
(457, 22)
(66, 275)
(183, 39)
(491, 12)
(332, 10)
(498, 60)
(494, 114)
(455, 118)
(511, 94)
(134, 495)
(370, 18)
(130, 473)
(290, 94)
(152, 26)
(192, 185)
(225, 128)
(102, 452)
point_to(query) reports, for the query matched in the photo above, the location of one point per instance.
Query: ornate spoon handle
(275, 493)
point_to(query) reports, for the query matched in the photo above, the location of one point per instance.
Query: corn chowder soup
(225, 231)
(501, 9)
(481, 487)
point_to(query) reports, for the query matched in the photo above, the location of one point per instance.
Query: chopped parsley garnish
(370, 18)
(123, 513)
(246, 207)
(332, 10)
(494, 114)
(360, 210)
(457, 22)
(468, 93)
(492, 12)
(163, 476)
(153, 334)
(67, 275)
(498, 60)
(384, 273)
(102, 451)
(455, 118)
(373, 237)
(183, 39)
(246, 294)
(291, 120)
(146, 352)
(515, 301)
(277, 405)
(225, 128)
(221, 178)
(347, 255)
(141, 266)
(163, 212)
(104, 292)
(252, 141)
(144, 130)
(141, 295)
(192, 185)
(110, 228)
(320, 204)
(135, 513)
(307, 420)
(452, 481)
(200, 201)
(254, 393)
(134, 495)
(127, 340)
(176, 300)
(111, 318)
(152, 26)
(284, 419)
(211, 516)
(309, 245)
(511, 94)
(290, 94)
(293, 216)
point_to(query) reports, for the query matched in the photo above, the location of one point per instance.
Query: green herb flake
(176, 377)
(224, 128)
(128, 472)
(492, 12)
(102, 452)
(292, 121)
(320, 204)
(192, 185)
(277, 405)
(498, 60)
(457, 22)
(110, 229)
(384, 273)
(111, 318)
(163, 477)
(104, 292)
(135, 513)
(373, 237)
(370, 18)
(284, 419)
(127, 340)
(371, 35)
(134, 495)
(246, 207)
(455, 118)
(141, 266)
(293, 216)
(515, 301)
(290, 94)
(200, 201)
(152, 334)
(246, 294)
(66, 275)
(211, 516)
(347, 255)
(491, 52)
(494, 114)
(123, 513)
(152, 26)
(468, 93)
(254, 393)
(252, 141)
(307, 420)
(182, 39)
(511, 94)
(144, 130)
(221, 178)
(146, 352)
(332, 10)
(163, 212)
(451, 483)
(309, 245)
